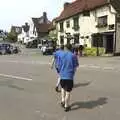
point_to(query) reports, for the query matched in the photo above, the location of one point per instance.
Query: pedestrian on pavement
(67, 65)
(76, 51)
(55, 63)
(80, 49)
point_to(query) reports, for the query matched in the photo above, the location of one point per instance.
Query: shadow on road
(89, 104)
(81, 84)
(15, 87)
(10, 84)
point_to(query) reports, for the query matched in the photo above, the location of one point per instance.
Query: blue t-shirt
(57, 58)
(67, 64)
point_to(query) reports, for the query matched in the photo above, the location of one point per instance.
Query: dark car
(5, 48)
(48, 47)
(16, 50)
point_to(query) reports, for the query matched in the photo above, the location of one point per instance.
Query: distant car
(16, 50)
(39, 46)
(5, 48)
(46, 49)
(48, 46)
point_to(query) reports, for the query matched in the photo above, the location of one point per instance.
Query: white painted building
(82, 21)
(28, 32)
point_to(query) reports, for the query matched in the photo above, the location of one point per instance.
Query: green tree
(12, 37)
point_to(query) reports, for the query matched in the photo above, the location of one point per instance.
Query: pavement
(27, 88)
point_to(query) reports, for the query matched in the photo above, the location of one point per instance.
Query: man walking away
(67, 67)
(55, 62)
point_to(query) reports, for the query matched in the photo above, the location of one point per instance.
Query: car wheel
(43, 53)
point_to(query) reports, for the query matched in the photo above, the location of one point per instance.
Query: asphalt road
(27, 89)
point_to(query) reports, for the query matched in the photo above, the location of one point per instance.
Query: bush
(93, 51)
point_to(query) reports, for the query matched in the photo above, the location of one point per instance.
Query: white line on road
(16, 77)
(93, 66)
(27, 62)
(108, 68)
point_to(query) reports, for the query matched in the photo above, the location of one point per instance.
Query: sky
(17, 12)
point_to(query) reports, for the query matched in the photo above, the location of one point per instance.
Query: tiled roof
(40, 25)
(53, 24)
(42, 28)
(79, 6)
(51, 27)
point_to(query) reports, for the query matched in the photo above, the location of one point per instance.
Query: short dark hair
(62, 47)
(68, 46)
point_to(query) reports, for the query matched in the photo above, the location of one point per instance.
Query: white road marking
(83, 66)
(15, 77)
(27, 62)
(108, 68)
(87, 66)
(93, 66)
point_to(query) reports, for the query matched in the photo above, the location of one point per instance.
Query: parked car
(48, 47)
(5, 48)
(39, 46)
(16, 50)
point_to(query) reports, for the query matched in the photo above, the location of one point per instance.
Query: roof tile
(80, 6)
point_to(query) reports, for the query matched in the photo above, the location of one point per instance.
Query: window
(76, 23)
(111, 27)
(61, 27)
(97, 41)
(118, 18)
(76, 38)
(68, 24)
(62, 40)
(69, 37)
(102, 21)
(17, 30)
(82, 37)
(87, 37)
(86, 13)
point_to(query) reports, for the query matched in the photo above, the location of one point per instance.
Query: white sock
(58, 82)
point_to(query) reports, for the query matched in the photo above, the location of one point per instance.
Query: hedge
(93, 51)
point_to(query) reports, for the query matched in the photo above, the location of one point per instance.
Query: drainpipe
(114, 47)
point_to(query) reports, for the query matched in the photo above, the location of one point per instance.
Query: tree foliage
(12, 37)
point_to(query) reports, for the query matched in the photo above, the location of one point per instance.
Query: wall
(117, 49)
(88, 24)
(23, 37)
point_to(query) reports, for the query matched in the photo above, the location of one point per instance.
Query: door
(109, 45)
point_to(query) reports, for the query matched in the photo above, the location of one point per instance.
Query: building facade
(28, 32)
(42, 25)
(90, 23)
(53, 31)
(35, 28)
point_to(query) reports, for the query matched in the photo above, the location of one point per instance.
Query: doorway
(109, 43)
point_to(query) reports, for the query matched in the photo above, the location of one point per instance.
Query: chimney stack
(66, 4)
(44, 17)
